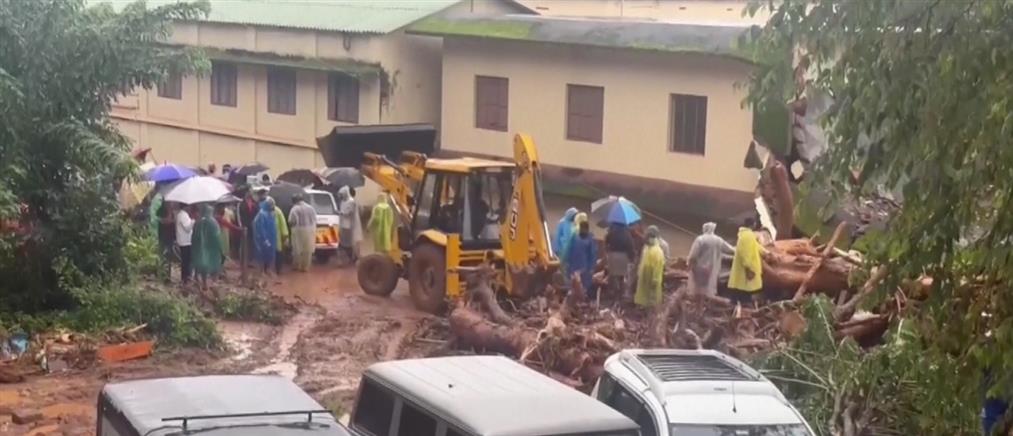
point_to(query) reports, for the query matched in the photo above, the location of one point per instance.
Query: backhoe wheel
(427, 278)
(377, 274)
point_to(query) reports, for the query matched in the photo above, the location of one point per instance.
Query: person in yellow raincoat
(650, 273)
(746, 278)
(381, 225)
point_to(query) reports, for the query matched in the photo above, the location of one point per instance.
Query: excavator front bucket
(345, 146)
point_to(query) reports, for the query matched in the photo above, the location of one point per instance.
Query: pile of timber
(568, 338)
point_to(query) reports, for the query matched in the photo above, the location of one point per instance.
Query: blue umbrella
(169, 173)
(614, 210)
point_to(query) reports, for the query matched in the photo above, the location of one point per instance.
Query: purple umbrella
(169, 173)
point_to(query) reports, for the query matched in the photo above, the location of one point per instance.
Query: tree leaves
(61, 159)
(928, 83)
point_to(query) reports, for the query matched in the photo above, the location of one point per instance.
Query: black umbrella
(282, 193)
(344, 176)
(250, 169)
(301, 177)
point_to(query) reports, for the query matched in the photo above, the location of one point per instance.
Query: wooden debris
(124, 352)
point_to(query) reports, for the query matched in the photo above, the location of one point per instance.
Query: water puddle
(283, 364)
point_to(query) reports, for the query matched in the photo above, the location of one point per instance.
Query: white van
(218, 405)
(476, 396)
(696, 393)
(327, 222)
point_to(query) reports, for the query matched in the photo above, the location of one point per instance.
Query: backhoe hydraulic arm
(525, 236)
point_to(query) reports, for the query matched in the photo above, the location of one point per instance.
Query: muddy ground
(336, 333)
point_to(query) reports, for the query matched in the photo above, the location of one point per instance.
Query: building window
(585, 107)
(491, 102)
(689, 123)
(223, 84)
(281, 91)
(171, 87)
(343, 98)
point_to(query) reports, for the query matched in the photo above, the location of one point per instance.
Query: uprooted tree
(61, 158)
(922, 105)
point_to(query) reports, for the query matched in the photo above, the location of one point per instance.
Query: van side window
(415, 422)
(374, 410)
(615, 395)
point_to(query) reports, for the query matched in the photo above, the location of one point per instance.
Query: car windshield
(739, 430)
(323, 204)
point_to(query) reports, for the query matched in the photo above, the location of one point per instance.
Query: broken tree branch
(819, 262)
(846, 310)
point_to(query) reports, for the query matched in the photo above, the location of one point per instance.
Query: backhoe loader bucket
(346, 145)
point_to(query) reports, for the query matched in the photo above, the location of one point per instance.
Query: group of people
(625, 247)
(197, 233)
(628, 252)
(202, 238)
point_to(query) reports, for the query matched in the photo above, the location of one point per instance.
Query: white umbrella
(200, 189)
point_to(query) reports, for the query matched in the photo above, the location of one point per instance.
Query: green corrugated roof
(348, 66)
(353, 16)
(719, 40)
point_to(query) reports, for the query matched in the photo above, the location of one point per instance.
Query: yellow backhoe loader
(450, 213)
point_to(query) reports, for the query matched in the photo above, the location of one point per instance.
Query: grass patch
(253, 307)
(172, 319)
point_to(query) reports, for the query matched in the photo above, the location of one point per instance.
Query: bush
(175, 320)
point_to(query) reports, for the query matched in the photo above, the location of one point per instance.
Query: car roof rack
(186, 419)
(678, 367)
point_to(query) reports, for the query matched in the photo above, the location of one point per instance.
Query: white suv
(696, 393)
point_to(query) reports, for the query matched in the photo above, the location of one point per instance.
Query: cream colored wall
(729, 11)
(636, 108)
(248, 131)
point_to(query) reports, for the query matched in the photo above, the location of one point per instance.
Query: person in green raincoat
(381, 225)
(207, 246)
(650, 273)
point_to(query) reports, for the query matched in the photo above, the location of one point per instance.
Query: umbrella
(199, 189)
(344, 176)
(301, 177)
(229, 198)
(282, 193)
(250, 169)
(169, 172)
(614, 210)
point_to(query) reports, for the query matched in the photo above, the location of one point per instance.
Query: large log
(783, 274)
(471, 329)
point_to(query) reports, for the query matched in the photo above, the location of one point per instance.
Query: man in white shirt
(184, 233)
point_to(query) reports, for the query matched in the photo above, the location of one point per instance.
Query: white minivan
(696, 393)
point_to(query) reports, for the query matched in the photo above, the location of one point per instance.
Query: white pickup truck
(696, 393)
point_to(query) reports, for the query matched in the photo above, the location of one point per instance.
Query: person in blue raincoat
(583, 254)
(265, 236)
(564, 232)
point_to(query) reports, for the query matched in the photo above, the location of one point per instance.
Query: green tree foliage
(924, 102)
(61, 159)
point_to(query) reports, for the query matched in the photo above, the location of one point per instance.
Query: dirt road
(337, 332)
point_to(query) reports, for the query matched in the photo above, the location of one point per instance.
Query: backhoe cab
(450, 213)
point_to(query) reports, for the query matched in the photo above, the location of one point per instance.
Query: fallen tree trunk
(471, 329)
(784, 274)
